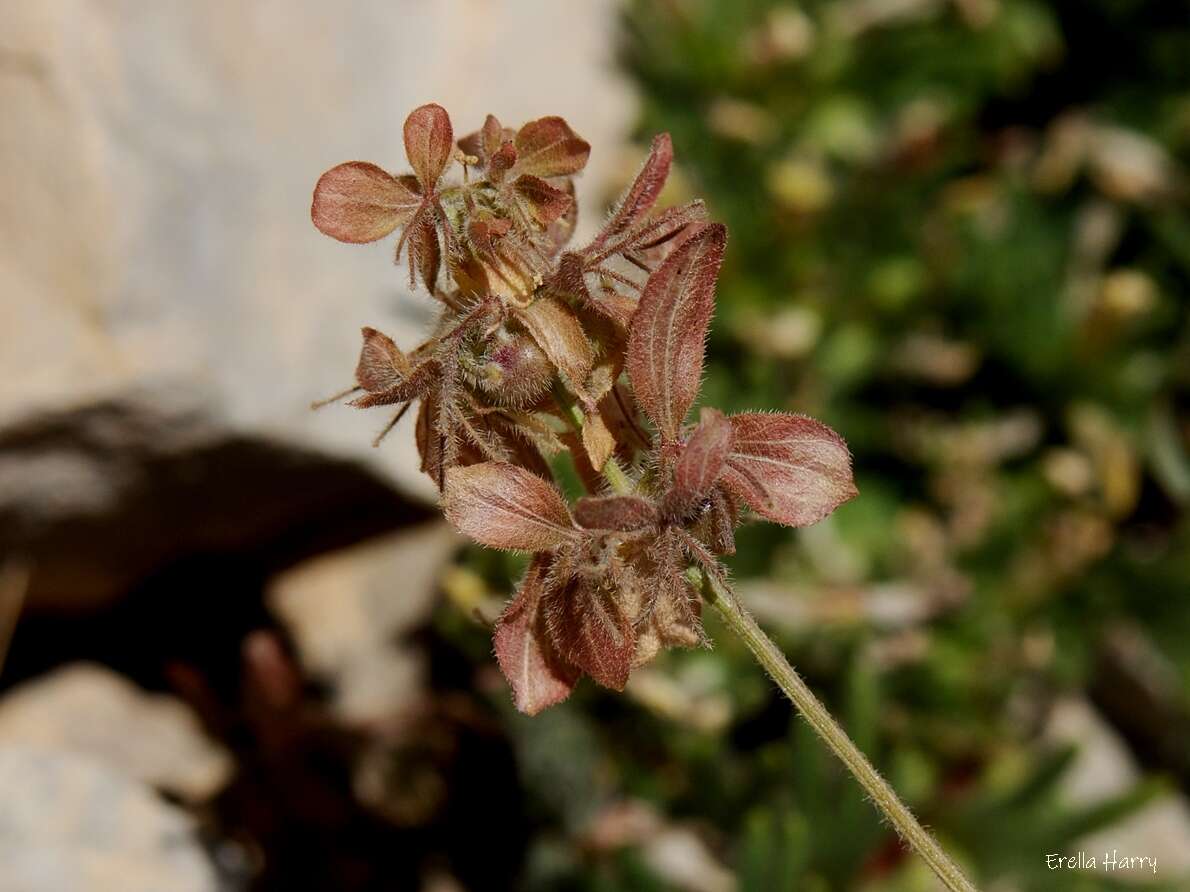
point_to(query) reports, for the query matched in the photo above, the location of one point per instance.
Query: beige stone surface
(349, 611)
(156, 254)
(106, 832)
(91, 711)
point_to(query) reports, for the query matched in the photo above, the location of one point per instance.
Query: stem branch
(611, 470)
(824, 724)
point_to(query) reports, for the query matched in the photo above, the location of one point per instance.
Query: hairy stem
(716, 592)
(770, 657)
(611, 470)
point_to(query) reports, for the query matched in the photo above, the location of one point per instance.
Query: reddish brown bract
(665, 347)
(789, 468)
(502, 506)
(358, 202)
(538, 349)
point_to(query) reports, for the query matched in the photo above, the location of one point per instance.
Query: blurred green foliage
(957, 235)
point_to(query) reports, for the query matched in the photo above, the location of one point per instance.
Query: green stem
(770, 657)
(611, 470)
(715, 592)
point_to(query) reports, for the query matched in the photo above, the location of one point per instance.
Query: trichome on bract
(598, 350)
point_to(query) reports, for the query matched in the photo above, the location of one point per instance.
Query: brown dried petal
(526, 657)
(502, 506)
(358, 202)
(592, 632)
(640, 196)
(667, 335)
(790, 469)
(541, 201)
(429, 139)
(702, 459)
(548, 147)
(598, 440)
(381, 363)
(558, 332)
(620, 513)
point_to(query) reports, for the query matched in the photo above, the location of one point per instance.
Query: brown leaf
(620, 513)
(701, 461)
(640, 196)
(548, 147)
(502, 506)
(419, 380)
(526, 657)
(571, 279)
(425, 255)
(540, 200)
(667, 334)
(381, 363)
(429, 442)
(502, 161)
(429, 139)
(591, 631)
(485, 230)
(486, 141)
(598, 440)
(558, 332)
(358, 202)
(790, 469)
(562, 229)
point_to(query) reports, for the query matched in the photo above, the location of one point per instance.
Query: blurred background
(238, 650)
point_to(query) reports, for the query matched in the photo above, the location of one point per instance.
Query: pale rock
(90, 710)
(106, 832)
(348, 610)
(157, 258)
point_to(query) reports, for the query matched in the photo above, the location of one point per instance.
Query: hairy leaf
(425, 255)
(790, 469)
(430, 445)
(358, 202)
(548, 147)
(592, 631)
(702, 460)
(620, 513)
(541, 201)
(502, 506)
(538, 677)
(571, 279)
(668, 332)
(417, 382)
(557, 331)
(640, 196)
(381, 362)
(429, 139)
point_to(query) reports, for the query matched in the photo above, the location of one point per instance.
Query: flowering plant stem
(716, 593)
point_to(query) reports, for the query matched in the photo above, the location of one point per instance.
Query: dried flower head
(538, 349)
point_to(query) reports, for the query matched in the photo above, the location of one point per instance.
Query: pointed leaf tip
(503, 506)
(538, 678)
(642, 192)
(358, 202)
(790, 469)
(702, 460)
(592, 631)
(668, 331)
(429, 140)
